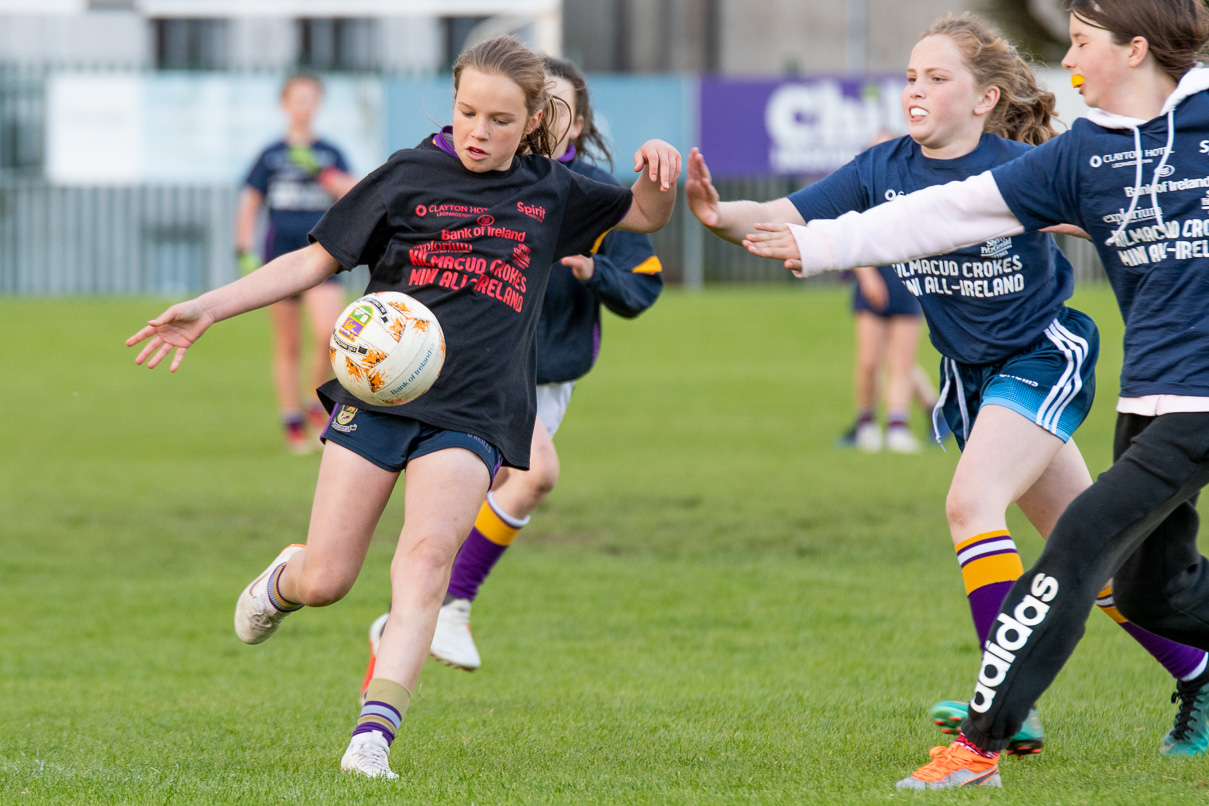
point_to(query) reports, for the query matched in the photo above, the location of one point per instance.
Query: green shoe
(949, 714)
(1189, 734)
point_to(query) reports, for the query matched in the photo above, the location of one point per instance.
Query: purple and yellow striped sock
(275, 598)
(493, 532)
(385, 704)
(1182, 662)
(990, 564)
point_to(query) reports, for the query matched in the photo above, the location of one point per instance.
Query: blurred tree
(1037, 27)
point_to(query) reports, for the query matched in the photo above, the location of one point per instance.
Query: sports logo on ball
(388, 349)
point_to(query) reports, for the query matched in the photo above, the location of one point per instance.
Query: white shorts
(552, 402)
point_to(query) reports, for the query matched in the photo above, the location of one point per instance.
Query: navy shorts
(1052, 383)
(900, 301)
(391, 442)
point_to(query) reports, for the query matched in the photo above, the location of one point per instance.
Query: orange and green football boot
(954, 766)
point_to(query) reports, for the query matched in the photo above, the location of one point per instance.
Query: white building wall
(110, 38)
(262, 43)
(411, 44)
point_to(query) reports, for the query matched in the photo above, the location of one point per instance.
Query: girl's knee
(961, 509)
(428, 559)
(541, 480)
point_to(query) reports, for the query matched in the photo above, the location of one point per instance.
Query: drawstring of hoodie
(1158, 172)
(1154, 181)
(1137, 187)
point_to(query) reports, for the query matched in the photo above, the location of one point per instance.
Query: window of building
(338, 44)
(188, 44)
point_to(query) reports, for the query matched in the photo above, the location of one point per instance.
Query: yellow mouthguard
(1076, 80)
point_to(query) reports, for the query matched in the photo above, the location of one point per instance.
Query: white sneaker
(375, 639)
(869, 437)
(901, 440)
(255, 616)
(369, 754)
(452, 643)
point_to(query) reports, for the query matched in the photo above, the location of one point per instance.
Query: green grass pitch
(715, 606)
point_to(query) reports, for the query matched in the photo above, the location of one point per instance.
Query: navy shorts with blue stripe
(390, 442)
(1052, 383)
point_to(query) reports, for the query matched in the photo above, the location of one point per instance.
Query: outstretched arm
(655, 189)
(184, 323)
(933, 221)
(732, 220)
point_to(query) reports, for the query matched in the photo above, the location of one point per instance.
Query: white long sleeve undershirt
(933, 221)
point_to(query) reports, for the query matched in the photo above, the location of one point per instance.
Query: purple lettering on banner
(794, 127)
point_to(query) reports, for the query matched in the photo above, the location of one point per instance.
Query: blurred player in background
(622, 274)
(889, 323)
(1018, 363)
(401, 220)
(296, 179)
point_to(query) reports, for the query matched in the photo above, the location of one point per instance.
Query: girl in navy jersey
(1017, 369)
(297, 178)
(622, 274)
(469, 222)
(1132, 175)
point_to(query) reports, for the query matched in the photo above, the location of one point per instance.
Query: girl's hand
(703, 198)
(662, 162)
(582, 266)
(774, 241)
(179, 326)
(1067, 229)
(873, 287)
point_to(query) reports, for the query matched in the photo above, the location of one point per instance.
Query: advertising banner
(794, 127)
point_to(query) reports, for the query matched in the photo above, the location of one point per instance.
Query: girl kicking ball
(622, 274)
(469, 223)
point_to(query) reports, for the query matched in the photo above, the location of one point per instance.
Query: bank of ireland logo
(997, 247)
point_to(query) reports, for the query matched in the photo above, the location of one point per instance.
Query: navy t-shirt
(292, 194)
(477, 249)
(1158, 270)
(983, 303)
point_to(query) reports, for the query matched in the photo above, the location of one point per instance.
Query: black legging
(1137, 525)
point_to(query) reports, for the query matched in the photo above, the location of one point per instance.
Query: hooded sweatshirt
(1139, 188)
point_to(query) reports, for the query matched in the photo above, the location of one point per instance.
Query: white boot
(452, 643)
(255, 616)
(369, 754)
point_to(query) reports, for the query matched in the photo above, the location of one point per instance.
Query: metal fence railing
(58, 241)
